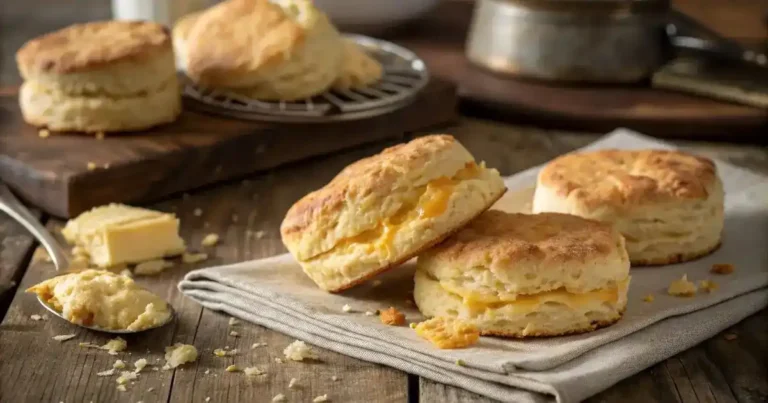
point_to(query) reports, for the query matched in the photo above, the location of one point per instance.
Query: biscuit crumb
(108, 372)
(279, 360)
(197, 212)
(115, 345)
(235, 218)
(392, 317)
(708, 285)
(234, 334)
(99, 135)
(320, 399)
(292, 383)
(91, 165)
(121, 388)
(152, 267)
(234, 322)
(193, 257)
(64, 337)
(257, 345)
(299, 351)
(139, 365)
(44, 133)
(232, 368)
(210, 240)
(722, 268)
(207, 398)
(648, 298)
(253, 371)
(731, 336)
(224, 352)
(259, 234)
(278, 398)
(207, 371)
(35, 317)
(346, 308)
(179, 354)
(682, 287)
(126, 273)
(448, 333)
(119, 364)
(334, 378)
(370, 313)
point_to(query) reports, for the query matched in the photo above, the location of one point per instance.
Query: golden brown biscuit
(667, 204)
(285, 50)
(526, 275)
(382, 210)
(358, 69)
(100, 76)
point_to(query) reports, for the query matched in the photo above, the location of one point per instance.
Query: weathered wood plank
(16, 246)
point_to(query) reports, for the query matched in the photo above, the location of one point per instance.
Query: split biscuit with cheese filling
(279, 51)
(522, 275)
(667, 204)
(100, 77)
(380, 211)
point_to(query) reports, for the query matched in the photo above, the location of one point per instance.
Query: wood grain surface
(196, 150)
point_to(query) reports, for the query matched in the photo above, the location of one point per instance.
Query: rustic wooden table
(36, 368)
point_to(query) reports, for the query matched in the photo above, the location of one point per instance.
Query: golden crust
(496, 238)
(425, 247)
(85, 47)
(257, 33)
(358, 70)
(375, 175)
(624, 178)
(592, 327)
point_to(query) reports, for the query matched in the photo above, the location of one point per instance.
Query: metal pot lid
(594, 6)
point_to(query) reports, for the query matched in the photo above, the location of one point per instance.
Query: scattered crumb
(207, 371)
(108, 372)
(376, 283)
(64, 337)
(278, 398)
(224, 352)
(234, 334)
(259, 234)
(253, 371)
(150, 389)
(45, 316)
(99, 135)
(708, 285)
(235, 218)
(115, 346)
(299, 351)
(232, 368)
(334, 378)
(279, 360)
(257, 345)
(346, 308)
(210, 240)
(731, 336)
(648, 298)
(121, 388)
(233, 321)
(320, 399)
(461, 363)
(448, 332)
(89, 345)
(208, 399)
(152, 267)
(139, 365)
(292, 383)
(193, 257)
(119, 364)
(370, 313)
(126, 273)
(106, 165)
(91, 165)
(179, 354)
(682, 287)
(125, 376)
(155, 368)
(392, 317)
(198, 212)
(722, 268)
(35, 317)
(44, 133)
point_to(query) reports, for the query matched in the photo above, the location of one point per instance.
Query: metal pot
(608, 41)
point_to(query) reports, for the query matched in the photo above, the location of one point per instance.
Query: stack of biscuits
(562, 270)
(118, 76)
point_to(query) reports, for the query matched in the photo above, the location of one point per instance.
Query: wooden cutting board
(199, 149)
(439, 39)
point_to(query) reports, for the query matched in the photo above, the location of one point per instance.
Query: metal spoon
(13, 207)
(113, 331)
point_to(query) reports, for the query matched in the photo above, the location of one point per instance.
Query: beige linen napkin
(275, 293)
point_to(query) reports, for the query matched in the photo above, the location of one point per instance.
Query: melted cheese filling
(432, 202)
(479, 301)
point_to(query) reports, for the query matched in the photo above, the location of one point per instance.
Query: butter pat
(117, 233)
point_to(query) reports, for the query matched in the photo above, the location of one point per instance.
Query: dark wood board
(439, 39)
(196, 150)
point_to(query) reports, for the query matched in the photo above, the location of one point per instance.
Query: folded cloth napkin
(275, 293)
